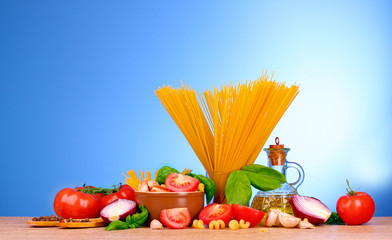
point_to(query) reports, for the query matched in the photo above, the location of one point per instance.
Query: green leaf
(265, 172)
(116, 225)
(164, 172)
(262, 182)
(209, 187)
(138, 219)
(238, 189)
(334, 219)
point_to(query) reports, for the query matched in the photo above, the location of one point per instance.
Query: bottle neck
(277, 159)
(279, 168)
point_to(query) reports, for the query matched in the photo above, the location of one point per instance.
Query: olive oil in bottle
(266, 203)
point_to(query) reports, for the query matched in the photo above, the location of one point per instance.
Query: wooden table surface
(17, 228)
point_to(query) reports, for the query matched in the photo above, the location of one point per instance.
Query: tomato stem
(106, 191)
(351, 192)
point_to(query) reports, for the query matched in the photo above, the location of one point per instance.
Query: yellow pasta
(214, 225)
(233, 224)
(221, 223)
(198, 224)
(243, 224)
(228, 127)
(217, 224)
(200, 187)
(133, 181)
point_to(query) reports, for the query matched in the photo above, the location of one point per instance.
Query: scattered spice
(75, 220)
(52, 218)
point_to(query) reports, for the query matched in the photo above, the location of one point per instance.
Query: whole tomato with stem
(355, 208)
(74, 203)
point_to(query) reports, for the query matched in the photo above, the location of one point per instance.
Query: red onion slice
(311, 208)
(118, 210)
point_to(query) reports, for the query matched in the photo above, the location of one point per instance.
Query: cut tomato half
(181, 183)
(251, 215)
(175, 218)
(216, 211)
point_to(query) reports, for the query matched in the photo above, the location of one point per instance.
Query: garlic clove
(155, 224)
(143, 187)
(271, 219)
(305, 224)
(287, 220)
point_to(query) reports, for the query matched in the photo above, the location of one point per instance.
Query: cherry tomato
(125, 192)
(181, 183)
(216, 211)
(70, 203)
(251, 215)
(176, 218)
(355, 208)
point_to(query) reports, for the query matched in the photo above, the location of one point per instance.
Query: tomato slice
(216, 211)
(181, 183)
(175, 218)
(251, 215)
(159, 189)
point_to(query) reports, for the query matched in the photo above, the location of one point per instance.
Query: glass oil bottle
(278, 198)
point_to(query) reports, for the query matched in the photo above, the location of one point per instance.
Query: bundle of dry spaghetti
(228, 127)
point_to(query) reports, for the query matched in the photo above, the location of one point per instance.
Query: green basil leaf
(262, 182)
(128, 220)
(209, 187)
(138, 219)
(238, 189)
(164, 172)
(265, 172)
(334, 219)
(116, 225)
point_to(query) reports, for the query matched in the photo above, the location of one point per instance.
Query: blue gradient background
(77, 80)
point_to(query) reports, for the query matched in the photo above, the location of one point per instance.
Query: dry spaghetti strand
(228, 127)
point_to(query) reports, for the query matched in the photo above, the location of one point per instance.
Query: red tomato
(251, 215)
(356, 209)
(181, 183)
(125, 192)
(70, 203)
(216, 211)
(176, 217)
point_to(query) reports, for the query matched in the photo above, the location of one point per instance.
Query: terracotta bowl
(155, 202)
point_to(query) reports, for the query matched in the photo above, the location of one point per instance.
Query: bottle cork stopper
(277, 154)
(277, 144)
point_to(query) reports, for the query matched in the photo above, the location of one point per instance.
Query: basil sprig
(138, 219)
(334, 219)
(134, 221)
(238, 187)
